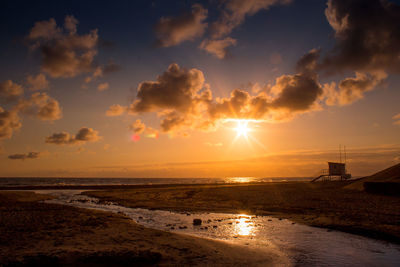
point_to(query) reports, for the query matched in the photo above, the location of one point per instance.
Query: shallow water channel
(298, 244)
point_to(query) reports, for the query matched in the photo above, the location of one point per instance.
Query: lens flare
(135, 137)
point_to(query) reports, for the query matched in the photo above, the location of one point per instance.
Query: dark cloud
(172, 120)
(111, 67)
(367, 33)
(177, 88)
(171, 31)
(10, 91)
(233, 107)
(64, 52)
(84, 135)
(9, 122)
(308, 62)
(30, 155)
(296, 92)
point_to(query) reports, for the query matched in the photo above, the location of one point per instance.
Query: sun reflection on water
(240, 179)
(244, 226)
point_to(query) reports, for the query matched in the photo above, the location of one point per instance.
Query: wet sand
(322, 204)
(34, 233)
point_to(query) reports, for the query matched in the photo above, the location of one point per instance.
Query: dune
(385, 181)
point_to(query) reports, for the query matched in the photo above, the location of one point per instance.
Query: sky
(217, 88)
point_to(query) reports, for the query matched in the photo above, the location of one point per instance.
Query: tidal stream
(298, 244)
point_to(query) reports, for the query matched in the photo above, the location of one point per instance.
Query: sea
(58, 181)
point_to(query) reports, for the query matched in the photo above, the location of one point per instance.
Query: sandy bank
(48, 234)
(324, 204)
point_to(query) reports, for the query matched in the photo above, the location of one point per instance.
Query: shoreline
(324, 205)
(51, 234)
(124, 186)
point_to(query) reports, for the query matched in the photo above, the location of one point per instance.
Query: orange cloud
(10, 91)
(9, 122)
(103, 86)
(218, 48)
(38, 82)
(42, 106)
(115, 110)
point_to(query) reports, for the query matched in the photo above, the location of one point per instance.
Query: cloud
(103, 86)
(99, 71)
(42, 106)
(64, 52)
(296, 92)
(10, 91)
(177, 88)
(179, 96)
(291, 94)
(9, 122)
(38, 82)
(84, 135)
(183, 101)
(115, 110)
(396, 119)
(137, 127)
(172, 31)
(308, 63)
(218, 48)
(367, 33)
(235, 11)
(30, 155)
(352, 89)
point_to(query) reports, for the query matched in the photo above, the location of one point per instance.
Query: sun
(242, 128)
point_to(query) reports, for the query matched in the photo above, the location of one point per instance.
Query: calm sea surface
(137, 181)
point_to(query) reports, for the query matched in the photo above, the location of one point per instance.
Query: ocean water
(41, 181)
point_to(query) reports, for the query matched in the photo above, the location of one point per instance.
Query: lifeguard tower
(335, 170)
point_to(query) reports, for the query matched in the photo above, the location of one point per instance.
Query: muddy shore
(324, 204)
(41, 234)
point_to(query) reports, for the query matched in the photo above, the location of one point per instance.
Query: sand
(321, 204)
(40, 234)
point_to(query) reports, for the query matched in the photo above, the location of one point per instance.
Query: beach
(34, 232)
(323, 204)
(45, 234)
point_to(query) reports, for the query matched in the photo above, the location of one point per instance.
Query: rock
(214, 226)
(197, 221)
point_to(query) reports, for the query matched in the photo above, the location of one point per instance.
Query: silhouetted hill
(386, 179)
